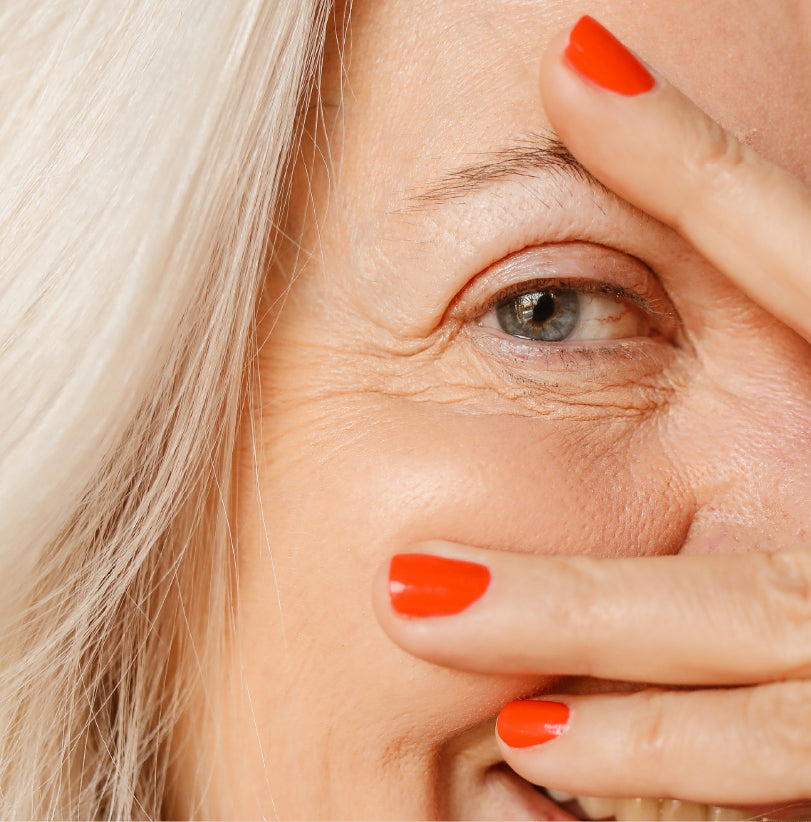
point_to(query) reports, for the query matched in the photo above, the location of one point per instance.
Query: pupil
(547, 316)
(544, 307)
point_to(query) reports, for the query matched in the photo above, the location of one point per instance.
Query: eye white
(558, 314)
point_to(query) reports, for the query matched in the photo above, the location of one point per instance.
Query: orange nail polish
(426, 585)
(598, 55)
(529, 722)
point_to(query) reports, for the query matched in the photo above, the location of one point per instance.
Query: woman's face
(423, 382)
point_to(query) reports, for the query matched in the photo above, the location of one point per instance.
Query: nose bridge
(744, 436)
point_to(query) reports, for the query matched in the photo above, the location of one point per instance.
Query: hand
(689, 620)
(741, 624)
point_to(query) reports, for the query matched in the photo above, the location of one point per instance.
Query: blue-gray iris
(547, 316)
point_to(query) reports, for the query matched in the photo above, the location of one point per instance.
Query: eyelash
(582, 286)
(586, 344)
(483, 309)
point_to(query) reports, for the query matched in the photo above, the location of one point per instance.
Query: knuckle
(650, 730)
(715, 155)
(712, 161)
(786, 600)
(658, 738)
(786, 707)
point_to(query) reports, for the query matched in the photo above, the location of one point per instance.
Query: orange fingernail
(427, 585)
(599, 56)
(531, 722)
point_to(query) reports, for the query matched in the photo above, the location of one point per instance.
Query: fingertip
(526, 723)
(553, 66)
(600, 58)
(589, 74)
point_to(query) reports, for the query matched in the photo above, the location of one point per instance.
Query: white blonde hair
(144, 146)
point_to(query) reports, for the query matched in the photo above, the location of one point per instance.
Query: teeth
(676, 809)
(634, 809)
(724, 814)
(560, 796)
(653, 810)
(597, 807)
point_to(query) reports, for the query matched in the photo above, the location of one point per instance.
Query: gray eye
(550, 315)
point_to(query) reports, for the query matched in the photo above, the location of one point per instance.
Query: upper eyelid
(610, 270)
(581, 286)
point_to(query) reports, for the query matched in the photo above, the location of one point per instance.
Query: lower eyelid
(600, 362)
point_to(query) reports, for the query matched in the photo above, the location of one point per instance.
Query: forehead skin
(420, 89)
(453, 76)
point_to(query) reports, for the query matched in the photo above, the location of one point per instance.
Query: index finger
(719, 619)
(654, 147)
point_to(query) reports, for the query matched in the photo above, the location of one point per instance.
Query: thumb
(654, 147)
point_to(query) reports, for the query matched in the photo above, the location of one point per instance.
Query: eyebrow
(532, 156)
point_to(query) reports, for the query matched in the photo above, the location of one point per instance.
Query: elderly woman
(424, 317)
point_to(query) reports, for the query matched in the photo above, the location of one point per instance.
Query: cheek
(505, 482)
(741, 437)
(342, 501)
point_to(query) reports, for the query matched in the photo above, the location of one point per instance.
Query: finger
(717, 619)
(722, 747)
(657, 149)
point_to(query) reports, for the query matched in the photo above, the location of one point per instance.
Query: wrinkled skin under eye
(558, 314)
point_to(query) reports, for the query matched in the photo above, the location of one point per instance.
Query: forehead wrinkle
(533, 156)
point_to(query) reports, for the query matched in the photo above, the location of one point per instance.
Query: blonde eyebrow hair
(532, 156)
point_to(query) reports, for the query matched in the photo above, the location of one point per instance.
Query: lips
(521, 800)
(482, 786)
(531, 802)
(512, 797)
(590, 807)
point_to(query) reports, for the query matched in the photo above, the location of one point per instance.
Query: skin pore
(393, 408)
